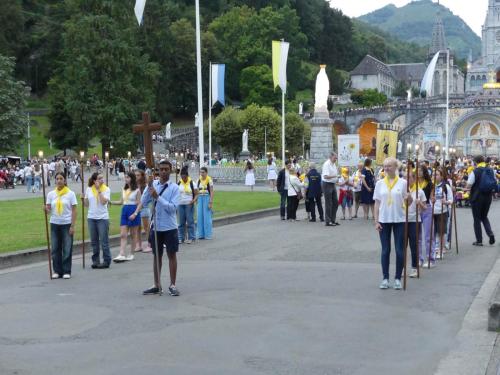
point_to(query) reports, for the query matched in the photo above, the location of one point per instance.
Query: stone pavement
(263, 297)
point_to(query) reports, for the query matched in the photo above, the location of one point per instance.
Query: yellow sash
(390, 187)
(186, 185)
(356, 177)
(481, 165)
(102, 189)
(59, 203)
(421, 186)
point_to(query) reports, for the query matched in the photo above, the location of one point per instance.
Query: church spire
(438, 42)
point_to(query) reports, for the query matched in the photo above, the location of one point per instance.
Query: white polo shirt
(68, 201)
(97, 211)
(394, 212)
(329, 169)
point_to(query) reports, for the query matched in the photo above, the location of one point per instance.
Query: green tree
(296, 132)
(400, 90)
(260, 120)
(256, 86)
(104, 81)
(13, 95)
(368, 98)
(227, 130)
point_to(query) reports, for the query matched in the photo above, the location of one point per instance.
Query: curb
(28, 256)
(494, 311)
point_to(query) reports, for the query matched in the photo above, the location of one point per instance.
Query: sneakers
(55, 276)
(189, 242)
(119, 259)
(438, 255)
(66, 276)
(384, 284)
(151, 291)
(397, 284)
(129, 257)
(102, 266)
(413, 273)
(477, 244)
(492, 240)
(173, 291)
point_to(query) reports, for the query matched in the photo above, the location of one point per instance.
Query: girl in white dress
(249, 175)
(272, 175)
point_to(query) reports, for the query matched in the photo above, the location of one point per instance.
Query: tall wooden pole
(433, 194)
(416, 214)
(40, 154)
(82, 176)
(405, 260)
(106, 162)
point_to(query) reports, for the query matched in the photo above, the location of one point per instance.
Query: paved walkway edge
(23, 257)
(474, 343)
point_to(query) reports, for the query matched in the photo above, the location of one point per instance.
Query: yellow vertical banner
(387, 143)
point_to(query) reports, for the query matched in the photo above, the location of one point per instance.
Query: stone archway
(477, 132)
(368, 137)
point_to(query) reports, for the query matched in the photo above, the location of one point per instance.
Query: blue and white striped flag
(139, 10)
(218, 71)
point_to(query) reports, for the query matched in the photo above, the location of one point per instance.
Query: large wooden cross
(146, 128)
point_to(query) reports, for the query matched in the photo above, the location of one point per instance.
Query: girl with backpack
(188, 197)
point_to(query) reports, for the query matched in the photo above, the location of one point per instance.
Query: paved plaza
(263, 297)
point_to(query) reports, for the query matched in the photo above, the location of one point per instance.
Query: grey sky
(472, 12)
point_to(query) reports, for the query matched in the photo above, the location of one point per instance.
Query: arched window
(472, 81)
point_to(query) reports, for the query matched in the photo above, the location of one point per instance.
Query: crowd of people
(150, 201)
(384, 196)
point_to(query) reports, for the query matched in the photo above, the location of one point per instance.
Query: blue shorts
(128, 210)
(145, 213)
(168, 239)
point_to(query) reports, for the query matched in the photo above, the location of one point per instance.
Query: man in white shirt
(329, 177)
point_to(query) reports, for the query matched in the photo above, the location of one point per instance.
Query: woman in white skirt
(272, 175)
(249, 175)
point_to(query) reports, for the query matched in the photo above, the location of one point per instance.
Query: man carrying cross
(147, 128)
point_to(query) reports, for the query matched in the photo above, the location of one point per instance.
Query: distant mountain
(414, 21)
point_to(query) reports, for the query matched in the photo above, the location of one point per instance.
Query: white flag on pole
(139, 10)
(280, 56)
(428, 80)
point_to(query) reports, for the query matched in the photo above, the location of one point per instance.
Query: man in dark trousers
(313, 192)
(282, 187)
(480, 198)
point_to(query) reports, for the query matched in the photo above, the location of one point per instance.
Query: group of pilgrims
(412, 203)
(163, 209)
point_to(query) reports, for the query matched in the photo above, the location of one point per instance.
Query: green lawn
(24, 227)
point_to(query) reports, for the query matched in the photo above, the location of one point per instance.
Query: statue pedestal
(321, 137)
(245, 155)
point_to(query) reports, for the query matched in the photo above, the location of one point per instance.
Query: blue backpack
(487, 181)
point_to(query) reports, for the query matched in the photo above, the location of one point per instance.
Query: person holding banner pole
(414, 228)
(40, 155)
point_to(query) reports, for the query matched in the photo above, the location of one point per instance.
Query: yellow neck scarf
(481, 165)
(59, 203)
(102, 189)
(186, 185)
(126, 194)
(356, 177)
(390, 187)
(204, 183)
(421, 185)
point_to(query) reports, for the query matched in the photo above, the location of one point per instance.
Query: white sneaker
(188, 242)
(129, 257)
(66, 276)
(397, 284)
(447, 246)
(413, 273)
(120, 258)
(438, 256)
(55, 276)
(384, 284)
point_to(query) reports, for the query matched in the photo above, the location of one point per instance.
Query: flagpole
(283, 126)
(210, 114)
(199, 79)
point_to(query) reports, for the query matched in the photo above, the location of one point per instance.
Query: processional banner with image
(348, 150)
(387, 142)
(431, 142)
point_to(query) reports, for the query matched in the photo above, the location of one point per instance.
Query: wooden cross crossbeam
(146, 128)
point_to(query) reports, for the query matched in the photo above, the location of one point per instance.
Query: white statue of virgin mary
(322, 91)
